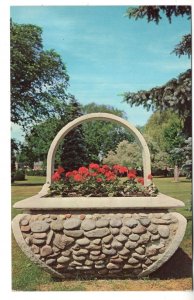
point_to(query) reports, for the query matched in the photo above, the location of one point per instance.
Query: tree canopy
(176, 93)
(38, 77)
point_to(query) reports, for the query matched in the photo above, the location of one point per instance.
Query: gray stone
(28, 240)
(88, 262)
(55, 249)
(107, 246)
(46, 250)
(24, 222)
(39, 226)
(63, 260)
(50, 261)
(161, 221)
(156, 257)
(155, 237)
(39, 235)
(25, 228)
(75, 263)
(107, 239)
(76, 247)
(94, 257)
(112, 266)
(99, 262)
(139, 229)
(121, 238)
(102, 223)
(83, 268)
(38, 241)
(144, 238)
(131, 245)
(124, 251)
(57, 225)
(134, 237)
(49, 237)
(97, 252)
(72, 223)
(93, 247)
(117, 245)
(125, 230)
(115, 222)
(62, 241)
(148, 262)
(88, 224)
(83, 242)
(74, 233)
(109, 251)
(163, 231)
(140, 250)
(79, 258)
(167, 216)
(130, 222)
(153, 229)
(99, 232)
(81, 252)
(133, 261)
(114, 231)
(138, 256)
(100, 266)
(152, 250)
(66, 253)
(97, 241)
(35, 249)
(145, 221)
(116, 260)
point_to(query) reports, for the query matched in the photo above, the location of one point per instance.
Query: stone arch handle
(104, 117)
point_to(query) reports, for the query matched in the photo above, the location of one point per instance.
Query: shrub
(19, 175)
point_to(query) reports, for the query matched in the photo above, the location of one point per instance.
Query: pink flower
(83, 171)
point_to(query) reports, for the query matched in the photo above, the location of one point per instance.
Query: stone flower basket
(98, 236)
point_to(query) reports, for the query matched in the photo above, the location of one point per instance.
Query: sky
(108, 54)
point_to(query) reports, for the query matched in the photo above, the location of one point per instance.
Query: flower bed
(100, 181)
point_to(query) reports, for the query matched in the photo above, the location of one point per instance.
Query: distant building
(38, 165)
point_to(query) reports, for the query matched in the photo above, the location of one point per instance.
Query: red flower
(60, 170)
(106, 167)
(93, 174)
(78, 177)
(101, 170)
(150, 176)
(94, 166)
(132, 171)
(131, 176)
(56, 176)
(99, 179)
(69, 174)
(140, 180)
(83, 171)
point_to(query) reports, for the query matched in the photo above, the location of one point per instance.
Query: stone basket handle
(92, 117)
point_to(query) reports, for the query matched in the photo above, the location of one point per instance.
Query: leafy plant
(99, 181)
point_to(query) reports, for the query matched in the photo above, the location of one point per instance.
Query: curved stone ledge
(99, 244)
(38, 201)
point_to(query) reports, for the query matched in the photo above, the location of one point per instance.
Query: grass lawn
(175, 275)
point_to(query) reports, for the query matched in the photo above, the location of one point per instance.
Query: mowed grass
(174, 275)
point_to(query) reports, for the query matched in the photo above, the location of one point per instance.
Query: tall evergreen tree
(74, 151)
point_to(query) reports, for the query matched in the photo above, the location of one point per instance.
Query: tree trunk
(176, 173)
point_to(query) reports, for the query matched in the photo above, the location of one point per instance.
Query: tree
(102, 136)
(14, 148)
(176, 93)
(126, 154)
(74, 150)
(38, 77)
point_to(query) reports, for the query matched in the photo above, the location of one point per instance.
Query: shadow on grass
(27, 184)
(177, 267)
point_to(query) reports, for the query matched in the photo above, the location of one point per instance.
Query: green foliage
(19, 175)
(102, 136)
(174, 95)
(155, 13)
(74, 151)
(126, 154)
(38, 78)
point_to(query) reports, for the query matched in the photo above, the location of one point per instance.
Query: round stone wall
(100, 244)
